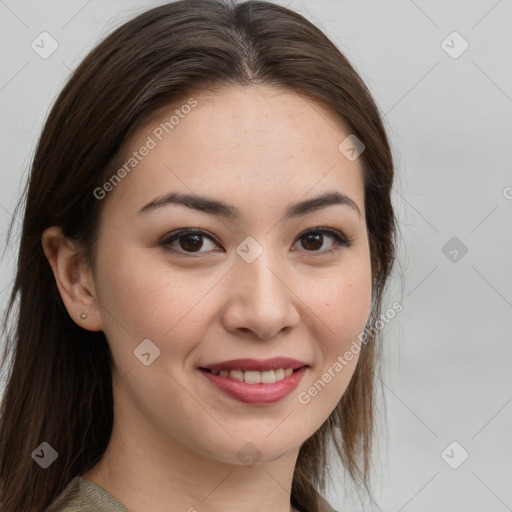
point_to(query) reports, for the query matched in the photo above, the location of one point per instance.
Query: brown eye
(188, 242)
(312, 242)
(191, 242)
(314, 239)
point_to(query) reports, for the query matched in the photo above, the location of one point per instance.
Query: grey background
(448, 353)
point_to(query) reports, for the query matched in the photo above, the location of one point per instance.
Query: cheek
(343, 304)
(342, 311)
(140, 297)
(347, 312)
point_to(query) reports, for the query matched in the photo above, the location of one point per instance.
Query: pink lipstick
(254, 381)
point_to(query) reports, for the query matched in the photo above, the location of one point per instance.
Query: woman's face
(255, 280)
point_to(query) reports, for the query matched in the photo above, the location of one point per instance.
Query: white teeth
(268, 377)
(252, 377)
(237, 375)
(255, 377)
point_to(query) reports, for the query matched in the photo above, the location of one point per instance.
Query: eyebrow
(218, 208)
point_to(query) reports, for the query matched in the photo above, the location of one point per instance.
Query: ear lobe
(73, 277)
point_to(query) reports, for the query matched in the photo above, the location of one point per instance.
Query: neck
(146, 470)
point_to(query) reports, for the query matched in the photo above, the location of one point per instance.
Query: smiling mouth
(255, 377)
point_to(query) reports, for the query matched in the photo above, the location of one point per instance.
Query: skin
(175, 437)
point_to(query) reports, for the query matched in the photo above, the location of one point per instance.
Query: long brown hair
(59, 386)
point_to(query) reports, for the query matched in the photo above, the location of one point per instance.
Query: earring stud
(84, 315)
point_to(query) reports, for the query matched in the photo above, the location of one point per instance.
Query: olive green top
(81, 495)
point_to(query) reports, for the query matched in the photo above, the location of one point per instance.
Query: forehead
(251, 145)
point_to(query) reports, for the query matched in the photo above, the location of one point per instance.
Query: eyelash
(340, 240)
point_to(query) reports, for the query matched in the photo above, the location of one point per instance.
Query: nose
(261, 301)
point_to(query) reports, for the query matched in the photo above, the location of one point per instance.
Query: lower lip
(256, 393)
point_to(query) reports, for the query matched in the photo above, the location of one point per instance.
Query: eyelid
(341, 241)
(175, 235)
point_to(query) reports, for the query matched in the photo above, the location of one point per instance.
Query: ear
(73, 277)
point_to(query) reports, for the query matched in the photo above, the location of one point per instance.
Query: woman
(207, 236)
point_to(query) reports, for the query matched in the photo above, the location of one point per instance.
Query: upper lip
(259, 365)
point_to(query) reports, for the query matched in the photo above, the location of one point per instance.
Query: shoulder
(81, 495)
